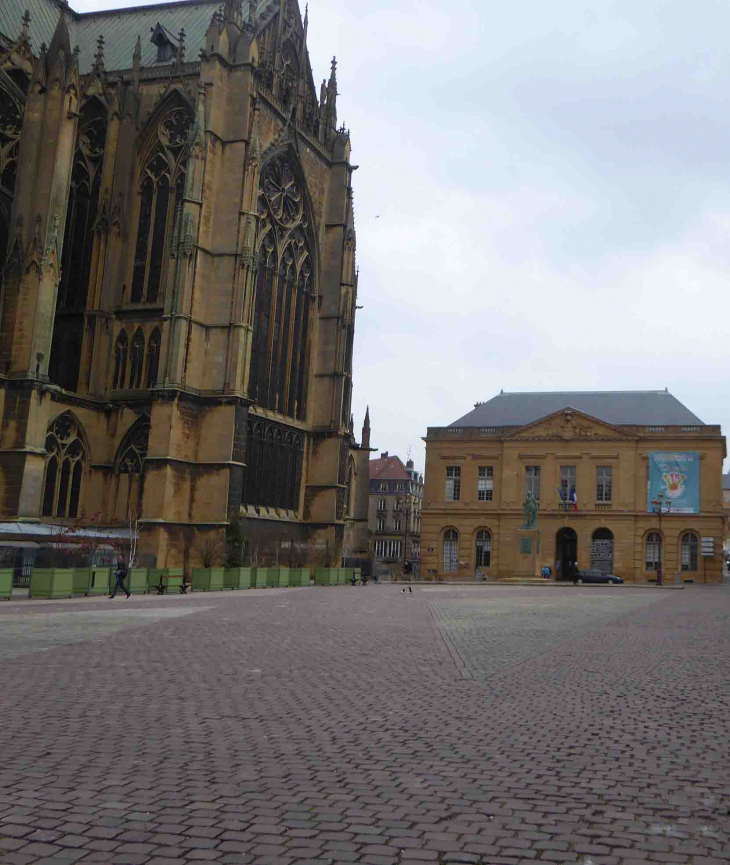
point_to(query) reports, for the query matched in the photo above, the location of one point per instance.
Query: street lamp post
(658, 508)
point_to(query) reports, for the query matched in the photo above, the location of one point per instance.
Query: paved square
(334, 725)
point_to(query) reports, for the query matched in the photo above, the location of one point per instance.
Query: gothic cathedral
(177, 278)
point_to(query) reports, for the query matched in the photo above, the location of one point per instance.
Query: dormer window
(166, 44)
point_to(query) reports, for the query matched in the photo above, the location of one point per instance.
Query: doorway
(602, 550)
(566, 551)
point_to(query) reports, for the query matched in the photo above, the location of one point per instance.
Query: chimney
(384, 455)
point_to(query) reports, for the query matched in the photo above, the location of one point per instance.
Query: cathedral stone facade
(178, 284)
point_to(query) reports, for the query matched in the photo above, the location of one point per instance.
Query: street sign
(707, 547)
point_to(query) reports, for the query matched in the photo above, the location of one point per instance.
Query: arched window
(120, 360)
(129, 469)
(279, 362)
(483, 550)
(689, 551)
(451, 550)
(11, 111)
(83, 203)
(65, 468)
(653, 551)
(136, 359)
(161, 194)
(153, 357)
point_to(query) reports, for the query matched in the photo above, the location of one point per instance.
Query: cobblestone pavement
(500, 726)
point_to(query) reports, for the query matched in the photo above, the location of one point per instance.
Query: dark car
(593, 575)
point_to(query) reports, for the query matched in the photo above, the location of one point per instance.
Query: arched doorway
(566, 551)
(602, 550)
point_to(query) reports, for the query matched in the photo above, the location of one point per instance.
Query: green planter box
(326, 576)
(172, 580)
(136, 581)
(344, 576)
(238, 578)
(6, 583)
(358, 575)
(272, 577)
(285, 577)
(82, 581)
(208, 579)
(100, 581)
(51, 583)
(299, 576)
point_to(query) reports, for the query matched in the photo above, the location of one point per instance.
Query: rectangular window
(383, 487)
(567, 484)
(532, 480)
(453, 483)
(399, 488)
(396, 525)
(451, 561)
(486, 481)
(604, 477)
(381, 525)
(382, 505)
(398, 506)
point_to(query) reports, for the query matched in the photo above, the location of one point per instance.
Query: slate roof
(119, 27)
(649, 407)
(388, 468)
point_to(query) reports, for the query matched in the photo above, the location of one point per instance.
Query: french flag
(573, 499)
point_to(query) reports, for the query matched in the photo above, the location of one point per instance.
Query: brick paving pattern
(500, 726)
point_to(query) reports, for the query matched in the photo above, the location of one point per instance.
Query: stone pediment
(568, 424)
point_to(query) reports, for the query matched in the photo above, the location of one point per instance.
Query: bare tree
(211, 550)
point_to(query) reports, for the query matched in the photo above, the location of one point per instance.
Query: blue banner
(677, 476)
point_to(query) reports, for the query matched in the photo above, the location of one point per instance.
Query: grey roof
(43, 19)
(119, 27)
(650, 407)
(726, 481)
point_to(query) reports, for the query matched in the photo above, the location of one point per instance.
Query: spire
(181, 47)
(137, 61)
(365, 443)
(252, 12)
(232, 12)
(333, 73)
(304, 39)
(99, 56)
(24, 38)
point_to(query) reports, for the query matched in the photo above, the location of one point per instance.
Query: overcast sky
(551, 182)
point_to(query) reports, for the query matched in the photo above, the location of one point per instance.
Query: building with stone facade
(178, 280)
(586, 458)
(394, 516)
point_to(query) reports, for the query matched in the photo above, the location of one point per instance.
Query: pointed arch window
(279, 363)
(120, 360)
(153, 357)
(161, 193)
(83, 204)
(11, 112)
(65, 469)
(136, 361)
(129, 469)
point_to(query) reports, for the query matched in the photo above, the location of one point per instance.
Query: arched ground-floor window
(689, 551)
(483, 550)
(451, 550)
(654, 552)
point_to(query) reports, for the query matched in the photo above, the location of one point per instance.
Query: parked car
(593, 575)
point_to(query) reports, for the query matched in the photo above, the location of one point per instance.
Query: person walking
(575, 572)
(121, 575)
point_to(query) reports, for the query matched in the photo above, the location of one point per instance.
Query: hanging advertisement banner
(676, 475)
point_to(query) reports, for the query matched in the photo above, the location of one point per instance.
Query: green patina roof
(119, 27)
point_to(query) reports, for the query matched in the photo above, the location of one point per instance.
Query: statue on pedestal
(529, 511)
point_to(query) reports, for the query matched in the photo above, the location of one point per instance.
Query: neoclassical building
(178, 282)
(629, 482)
